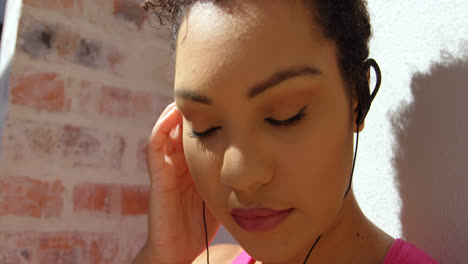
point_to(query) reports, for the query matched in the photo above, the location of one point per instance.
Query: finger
(159, 138)
(178, 138)
(175, 140)
(167, 109)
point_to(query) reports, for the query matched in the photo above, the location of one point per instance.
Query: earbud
(365, 98)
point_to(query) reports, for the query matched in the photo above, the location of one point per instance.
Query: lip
(259, 219)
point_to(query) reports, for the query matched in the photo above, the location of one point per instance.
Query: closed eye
(288, 122)
(281, 123)
(194, 134)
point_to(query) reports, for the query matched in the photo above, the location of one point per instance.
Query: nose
(243, 170)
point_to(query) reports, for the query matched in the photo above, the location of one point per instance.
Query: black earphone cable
(312, 248)
(354, 162)
(206, 236)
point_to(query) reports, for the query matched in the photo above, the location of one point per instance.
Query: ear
(355, 104)
(359, 127)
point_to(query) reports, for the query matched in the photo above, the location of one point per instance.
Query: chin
(262, 247)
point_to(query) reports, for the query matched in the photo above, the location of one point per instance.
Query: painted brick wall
(88, 80)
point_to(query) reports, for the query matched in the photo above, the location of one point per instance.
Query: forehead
(251, 39)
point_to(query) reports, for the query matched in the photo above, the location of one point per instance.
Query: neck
(352, 239)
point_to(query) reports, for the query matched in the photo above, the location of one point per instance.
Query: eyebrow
(275, 79)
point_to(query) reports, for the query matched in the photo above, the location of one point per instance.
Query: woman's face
(242, 71)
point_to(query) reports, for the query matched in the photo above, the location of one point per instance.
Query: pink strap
(243, 258)
(403, 252)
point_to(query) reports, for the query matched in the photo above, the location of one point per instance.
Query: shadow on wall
(431, 161)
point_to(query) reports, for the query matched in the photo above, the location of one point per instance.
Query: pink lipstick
(259, 219)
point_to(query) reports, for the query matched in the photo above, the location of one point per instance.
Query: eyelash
(278, 123)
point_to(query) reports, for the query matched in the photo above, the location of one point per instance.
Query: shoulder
(221, 253)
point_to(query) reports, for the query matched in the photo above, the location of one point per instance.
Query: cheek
(316, 170)
(196, 161)
(204, 168)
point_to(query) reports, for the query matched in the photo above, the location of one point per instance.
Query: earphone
(365, 98)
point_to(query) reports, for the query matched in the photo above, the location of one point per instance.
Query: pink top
(400, 252)
(406, 253)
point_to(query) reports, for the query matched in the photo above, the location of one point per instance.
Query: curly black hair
(346, 22)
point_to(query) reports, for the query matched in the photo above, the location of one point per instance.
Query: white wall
(410, 37)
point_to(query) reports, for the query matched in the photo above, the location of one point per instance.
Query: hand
(175, 219)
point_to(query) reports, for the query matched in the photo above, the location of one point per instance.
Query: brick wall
(88, 80)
